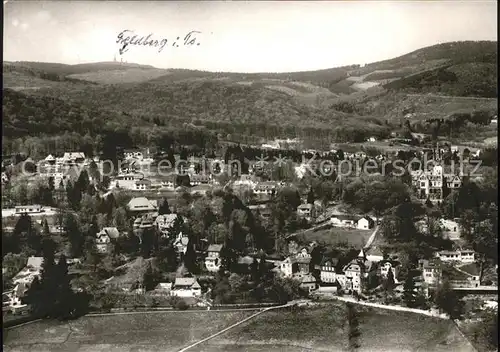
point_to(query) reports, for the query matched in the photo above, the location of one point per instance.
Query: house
(213, 260)
(50, 159)
(389, 265)
(180, 244)
(306, 211)
(73, 157)
(354, 272)
(307, 281)
(142, 205)
(303, 259)
(467, 276)
(286, 267)
(142, 185)
(166, 222)
(365, 223)
(104, 238)
(28, 209)
(267, 187)
(344, 221)
(163, 288)
(374, 254)
(126, 180)
(431, 270)
(133, 154)
(451, 228)
(186, 287)
(30, 271)
(246, 181)
(196, 180)
(430, 183)
(327, 270)
(461, 256)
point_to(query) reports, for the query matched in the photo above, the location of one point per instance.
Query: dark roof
(333, 261)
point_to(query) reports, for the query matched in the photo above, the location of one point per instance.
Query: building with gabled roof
(142, 205)
(186, 287)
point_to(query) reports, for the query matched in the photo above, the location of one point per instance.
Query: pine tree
(164, 207)
(254, 270)
(389, 281)
(151, 278)
(310, 197)
(190, 258)
(409, 294)
(45, 227)
(64, 294)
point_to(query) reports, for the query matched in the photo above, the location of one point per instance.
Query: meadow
(156, 331)
(325, 329)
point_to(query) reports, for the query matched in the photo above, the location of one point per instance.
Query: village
(152, 212)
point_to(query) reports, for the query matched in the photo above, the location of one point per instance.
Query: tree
(353, 326)
(164, 208)
(93, 256)
(190, 259)
(42, 293)
(409, 292)
(389, 281)
(310, 197)
(151, 278)
(74, 234)
(447, 300)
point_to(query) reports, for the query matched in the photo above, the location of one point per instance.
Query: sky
(240, 36)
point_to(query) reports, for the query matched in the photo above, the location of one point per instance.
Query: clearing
(335, 236)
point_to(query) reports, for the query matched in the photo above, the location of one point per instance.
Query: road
(372, 237)
(235, 325)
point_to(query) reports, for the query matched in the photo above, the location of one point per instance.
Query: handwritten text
(128, 38)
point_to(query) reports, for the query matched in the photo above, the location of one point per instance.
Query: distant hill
(347, 103)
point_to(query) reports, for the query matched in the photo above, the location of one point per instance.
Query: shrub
(182, 305)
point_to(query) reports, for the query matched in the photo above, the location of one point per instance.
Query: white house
(327, 271)
(286, 267)
(186, 287)
(365, 223)
(141, 205)
(166, 222)
(344, 221)
(267, 187)
(462, 256)
(142, 185)
(306, 211)
(104, 237)
(213, 260)
(374, 254)
(28, 209)
(431, 270)
(387, 265)
(133, 154)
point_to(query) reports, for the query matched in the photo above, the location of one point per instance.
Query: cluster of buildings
(432, 184)
(12, 300)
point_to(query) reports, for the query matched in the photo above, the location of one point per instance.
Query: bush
(182, 305)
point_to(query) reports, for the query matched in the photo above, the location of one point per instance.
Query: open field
(325, 329)
(159, 331)
(331, 235)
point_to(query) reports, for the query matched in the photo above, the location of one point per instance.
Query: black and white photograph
(250, 176)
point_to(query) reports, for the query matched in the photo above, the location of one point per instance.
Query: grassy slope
(324, 329)
(331, 235)
(165, 331)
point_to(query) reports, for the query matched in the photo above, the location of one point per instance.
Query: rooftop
(186, 281)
